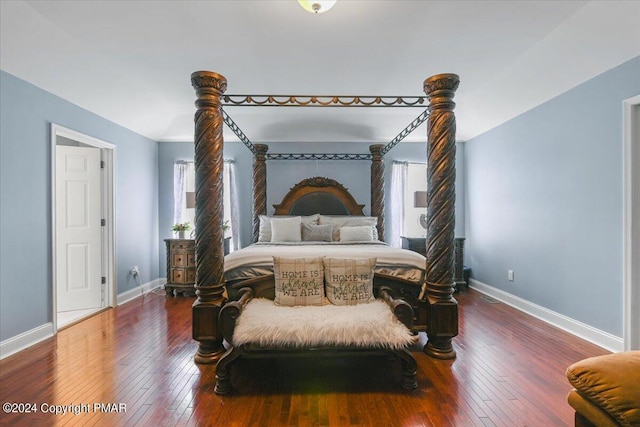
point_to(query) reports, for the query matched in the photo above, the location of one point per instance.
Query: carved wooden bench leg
(223, 370)
(409, 369)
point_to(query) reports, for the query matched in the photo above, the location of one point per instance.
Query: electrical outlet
(510, 275)
(135, 271)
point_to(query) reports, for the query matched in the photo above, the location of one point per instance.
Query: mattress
(257, 259)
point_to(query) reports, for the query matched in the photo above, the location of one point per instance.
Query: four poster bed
(416, 291)
(328, 203)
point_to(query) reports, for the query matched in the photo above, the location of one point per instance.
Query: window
(184, 178)
(406, 179)
(416, 181)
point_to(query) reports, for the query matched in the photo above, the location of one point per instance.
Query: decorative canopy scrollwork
(323, 101)
(241, 136)
(313, 156)
(406, 131)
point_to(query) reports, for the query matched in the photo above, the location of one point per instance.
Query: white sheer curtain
(230, 178)
(179, 176)
(399, 172)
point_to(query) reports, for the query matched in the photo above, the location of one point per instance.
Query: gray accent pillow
(317, 233)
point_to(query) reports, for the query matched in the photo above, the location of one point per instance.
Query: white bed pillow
(349, 281)
(361, 233)
(264, 231)
(299, 281)
(286, 229)
(349, 221)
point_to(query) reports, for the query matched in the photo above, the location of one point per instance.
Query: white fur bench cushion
(363, 325)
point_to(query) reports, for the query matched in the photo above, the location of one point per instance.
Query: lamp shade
(190, 201)
(420, 199)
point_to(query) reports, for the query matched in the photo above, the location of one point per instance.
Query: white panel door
(78, 228)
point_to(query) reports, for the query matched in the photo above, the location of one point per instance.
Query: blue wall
(26, 113)
(284, 174)
(544, 198)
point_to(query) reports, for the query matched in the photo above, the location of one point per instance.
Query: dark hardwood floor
(510, 371)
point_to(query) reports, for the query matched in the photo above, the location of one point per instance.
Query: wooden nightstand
(419, 244)
(181, 266)
(415, 244)
(458, 264)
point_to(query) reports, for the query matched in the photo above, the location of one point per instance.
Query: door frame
(631, 227)
(108, 156)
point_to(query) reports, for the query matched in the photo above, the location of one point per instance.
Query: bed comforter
(257, 259)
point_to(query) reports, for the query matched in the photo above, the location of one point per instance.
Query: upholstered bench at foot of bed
(259, 328)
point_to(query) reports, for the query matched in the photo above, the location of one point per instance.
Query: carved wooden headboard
(318, 195)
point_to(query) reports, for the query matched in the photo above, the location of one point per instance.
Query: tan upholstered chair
(606, 390)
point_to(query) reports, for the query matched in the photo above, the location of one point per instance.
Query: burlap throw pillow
(299, 281)
(349, 281)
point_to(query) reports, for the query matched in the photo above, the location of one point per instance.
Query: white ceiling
(131, 61)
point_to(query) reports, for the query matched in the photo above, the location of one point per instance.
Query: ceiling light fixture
(317, 6)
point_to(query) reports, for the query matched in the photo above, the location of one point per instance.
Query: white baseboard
(138, 291)
(26, 339)
(579, 329)
(35, 335)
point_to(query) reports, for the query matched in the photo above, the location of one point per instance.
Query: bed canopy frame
(441, 307)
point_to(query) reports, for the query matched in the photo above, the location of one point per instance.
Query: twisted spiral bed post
(209, 236)
(377, 186)
(259, 187)
(442, 322)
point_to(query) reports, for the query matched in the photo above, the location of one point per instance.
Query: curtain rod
(191, 161)
(409, 163)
